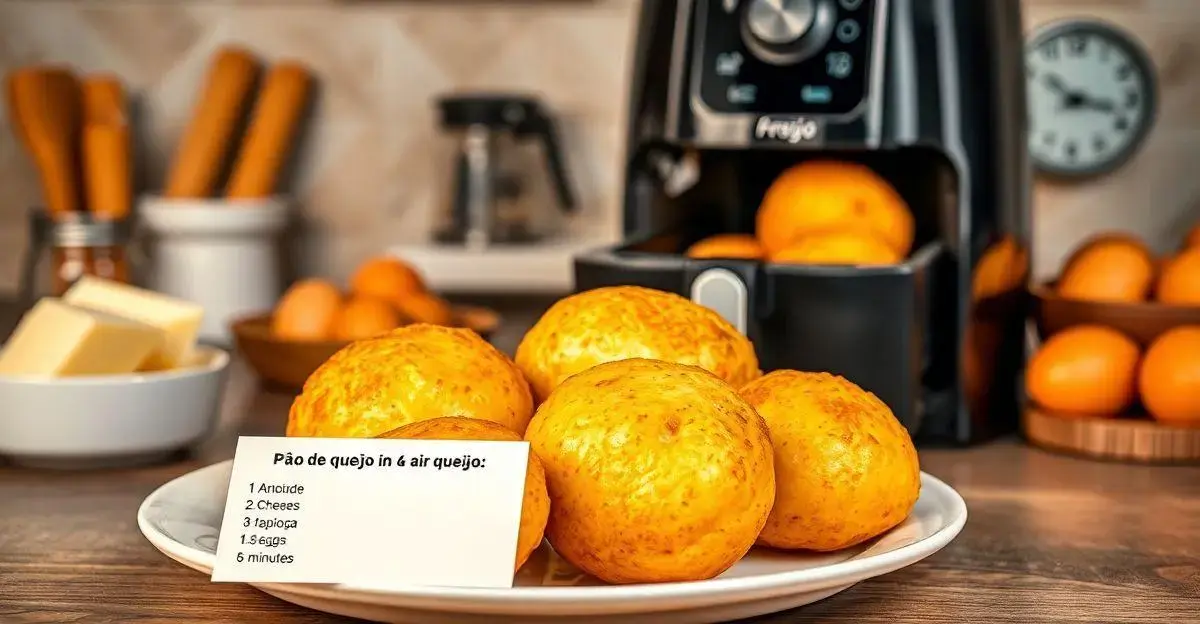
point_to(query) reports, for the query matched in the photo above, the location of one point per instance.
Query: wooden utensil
(288, 363)
(68, 91)
(104, 100)
(272, 130)
(107, 170)
(44, 108)
(209, 137)
(106, 150)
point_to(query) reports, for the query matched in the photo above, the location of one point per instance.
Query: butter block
(178, 319)
(61, 340)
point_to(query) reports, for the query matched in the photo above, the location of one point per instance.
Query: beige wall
(1157, 194)
(378, 171)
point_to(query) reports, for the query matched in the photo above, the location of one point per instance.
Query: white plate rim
(631, 597)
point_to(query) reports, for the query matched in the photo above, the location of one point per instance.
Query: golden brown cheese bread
(413, 373)
(616, 323)
(657, 472)
(845, 468)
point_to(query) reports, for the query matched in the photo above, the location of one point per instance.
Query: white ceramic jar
(220, 254)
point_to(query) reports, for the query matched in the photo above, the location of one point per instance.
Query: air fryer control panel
(785, 57)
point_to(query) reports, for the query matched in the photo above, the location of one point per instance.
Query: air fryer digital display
(831, 80)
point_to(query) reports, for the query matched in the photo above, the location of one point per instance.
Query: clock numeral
(1049, 137)
(1132, 99)
(1105, 51)
(1050, 50)
(1121, 124)
(1071, 149)
(1077, 45)
(1124, 72)
(1099, 144)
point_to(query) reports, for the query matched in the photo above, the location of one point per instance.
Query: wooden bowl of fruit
(314, 319)
(1117, 373)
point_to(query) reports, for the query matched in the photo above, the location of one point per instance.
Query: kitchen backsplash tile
(376, 168)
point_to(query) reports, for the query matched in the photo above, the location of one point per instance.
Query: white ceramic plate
(183, 519)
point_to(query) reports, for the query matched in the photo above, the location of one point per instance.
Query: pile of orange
(1091, 370)
(822, 212)
(1119, 268)
(384, 293)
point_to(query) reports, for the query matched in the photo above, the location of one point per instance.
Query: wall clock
(1093, 97)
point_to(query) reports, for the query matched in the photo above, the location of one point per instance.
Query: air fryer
(727, 94)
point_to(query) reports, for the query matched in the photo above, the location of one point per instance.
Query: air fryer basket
(868, 324)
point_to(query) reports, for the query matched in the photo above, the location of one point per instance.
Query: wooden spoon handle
(104, 100)
(106, 161)
(107, 164)
(206, 143)
(272, 130)
(39, 101)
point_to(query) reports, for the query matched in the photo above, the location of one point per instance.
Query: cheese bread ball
(413, 373)
(845, 468)
(657, 472)
(616, 323)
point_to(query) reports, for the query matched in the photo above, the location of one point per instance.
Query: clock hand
(1102, 105)
(1056, 84)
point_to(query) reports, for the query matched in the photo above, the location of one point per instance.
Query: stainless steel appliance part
(510, 179)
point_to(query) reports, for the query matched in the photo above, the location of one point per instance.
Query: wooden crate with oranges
(315, 318)
(1117, 373)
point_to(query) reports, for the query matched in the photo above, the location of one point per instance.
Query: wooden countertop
(1049, 539)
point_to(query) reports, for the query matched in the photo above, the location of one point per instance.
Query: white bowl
(220, 254)
(112, 419)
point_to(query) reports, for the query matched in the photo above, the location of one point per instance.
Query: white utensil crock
(220, 254)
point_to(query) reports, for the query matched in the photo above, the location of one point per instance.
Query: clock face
(1092, 98)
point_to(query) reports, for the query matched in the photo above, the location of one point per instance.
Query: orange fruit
(535, 506)
(307, 311)
(1180, 280)
(832, 195)
(365, 317)
(1002, 267)
(1086, 370)
(857, 247)
(1169, 380)
(425, 308)
(1112, 267)
(387, 278)
(739, 246)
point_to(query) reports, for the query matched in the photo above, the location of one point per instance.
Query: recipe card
(377, 513)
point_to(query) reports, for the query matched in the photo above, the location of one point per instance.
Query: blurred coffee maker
(504, 191)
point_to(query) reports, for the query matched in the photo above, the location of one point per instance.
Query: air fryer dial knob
(783, 32)
(780, 21)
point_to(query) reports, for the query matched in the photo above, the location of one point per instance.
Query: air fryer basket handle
(723, 292)
(545, 128)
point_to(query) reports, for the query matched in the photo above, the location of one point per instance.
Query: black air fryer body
(727, 94)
